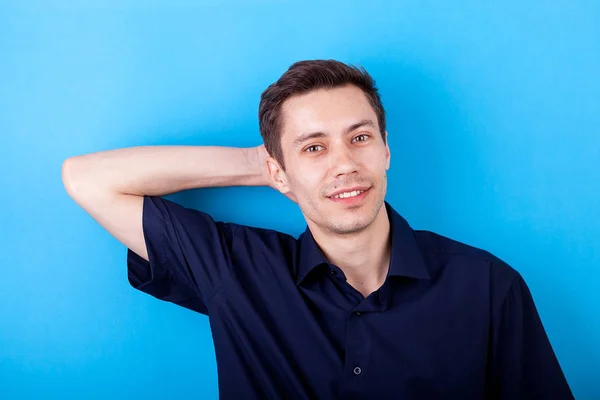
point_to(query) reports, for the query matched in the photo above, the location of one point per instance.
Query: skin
(353, 237)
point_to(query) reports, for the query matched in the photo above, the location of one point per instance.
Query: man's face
(331, 143)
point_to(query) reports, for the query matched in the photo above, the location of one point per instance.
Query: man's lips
(353, 198)
(349, 190)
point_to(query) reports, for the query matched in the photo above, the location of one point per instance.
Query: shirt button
(332, 271)
(357, 370)
(358, 313)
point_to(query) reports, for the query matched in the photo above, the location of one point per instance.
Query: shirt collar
(405, 260)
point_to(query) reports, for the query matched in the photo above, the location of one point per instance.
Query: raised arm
(110, 185)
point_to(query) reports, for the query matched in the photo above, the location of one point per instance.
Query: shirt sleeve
(189, 255)
(524, 365)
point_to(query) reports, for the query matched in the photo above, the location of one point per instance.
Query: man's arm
(111, 185)
(524, 365)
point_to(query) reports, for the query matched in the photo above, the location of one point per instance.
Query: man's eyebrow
(306, 137)
(314, 135)
(360, 124)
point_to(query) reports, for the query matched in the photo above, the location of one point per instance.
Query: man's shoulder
(450, 251)
(264, 234)
(267, 244)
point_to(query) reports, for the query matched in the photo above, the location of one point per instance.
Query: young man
(360, 305)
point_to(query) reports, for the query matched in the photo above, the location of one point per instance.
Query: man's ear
(279, 179)
(387, 152)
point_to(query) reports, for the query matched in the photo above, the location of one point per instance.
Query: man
(360, 305)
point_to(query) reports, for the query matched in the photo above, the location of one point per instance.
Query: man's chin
(347, 229)
(344, 222)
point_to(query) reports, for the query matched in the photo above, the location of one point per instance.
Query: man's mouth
(350, 196)
(348, 192)
(346, 195)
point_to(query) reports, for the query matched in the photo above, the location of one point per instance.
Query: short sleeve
(189, 255)
(523, 364)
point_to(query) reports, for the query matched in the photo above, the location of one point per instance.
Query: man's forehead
(322, 110)
(347, 93)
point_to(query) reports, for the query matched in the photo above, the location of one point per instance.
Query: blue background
(493, 115)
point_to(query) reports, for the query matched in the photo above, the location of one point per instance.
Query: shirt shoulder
(442, 252)
(270, 240)
(258, 251)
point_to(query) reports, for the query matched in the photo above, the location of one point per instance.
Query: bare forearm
(162, 170)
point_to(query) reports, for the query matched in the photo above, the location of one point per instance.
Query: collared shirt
(450, 321)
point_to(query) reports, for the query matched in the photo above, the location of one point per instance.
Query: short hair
(306, 76)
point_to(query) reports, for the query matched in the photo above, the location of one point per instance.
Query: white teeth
(347, 194)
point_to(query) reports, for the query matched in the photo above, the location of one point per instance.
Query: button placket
(357, 346)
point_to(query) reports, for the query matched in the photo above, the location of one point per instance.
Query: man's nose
(342, 161)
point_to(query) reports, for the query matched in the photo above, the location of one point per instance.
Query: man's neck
(364, 257)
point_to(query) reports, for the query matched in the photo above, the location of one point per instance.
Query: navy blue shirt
(451, 321)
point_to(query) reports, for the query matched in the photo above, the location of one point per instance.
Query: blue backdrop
(493, 117)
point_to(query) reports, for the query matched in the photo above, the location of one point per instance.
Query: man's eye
(362, 138)
(313, 148)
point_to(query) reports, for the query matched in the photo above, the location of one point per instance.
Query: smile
(345, 195)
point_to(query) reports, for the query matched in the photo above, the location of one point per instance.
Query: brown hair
(303, 77)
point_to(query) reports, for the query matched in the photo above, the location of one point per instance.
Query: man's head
(324, 126)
